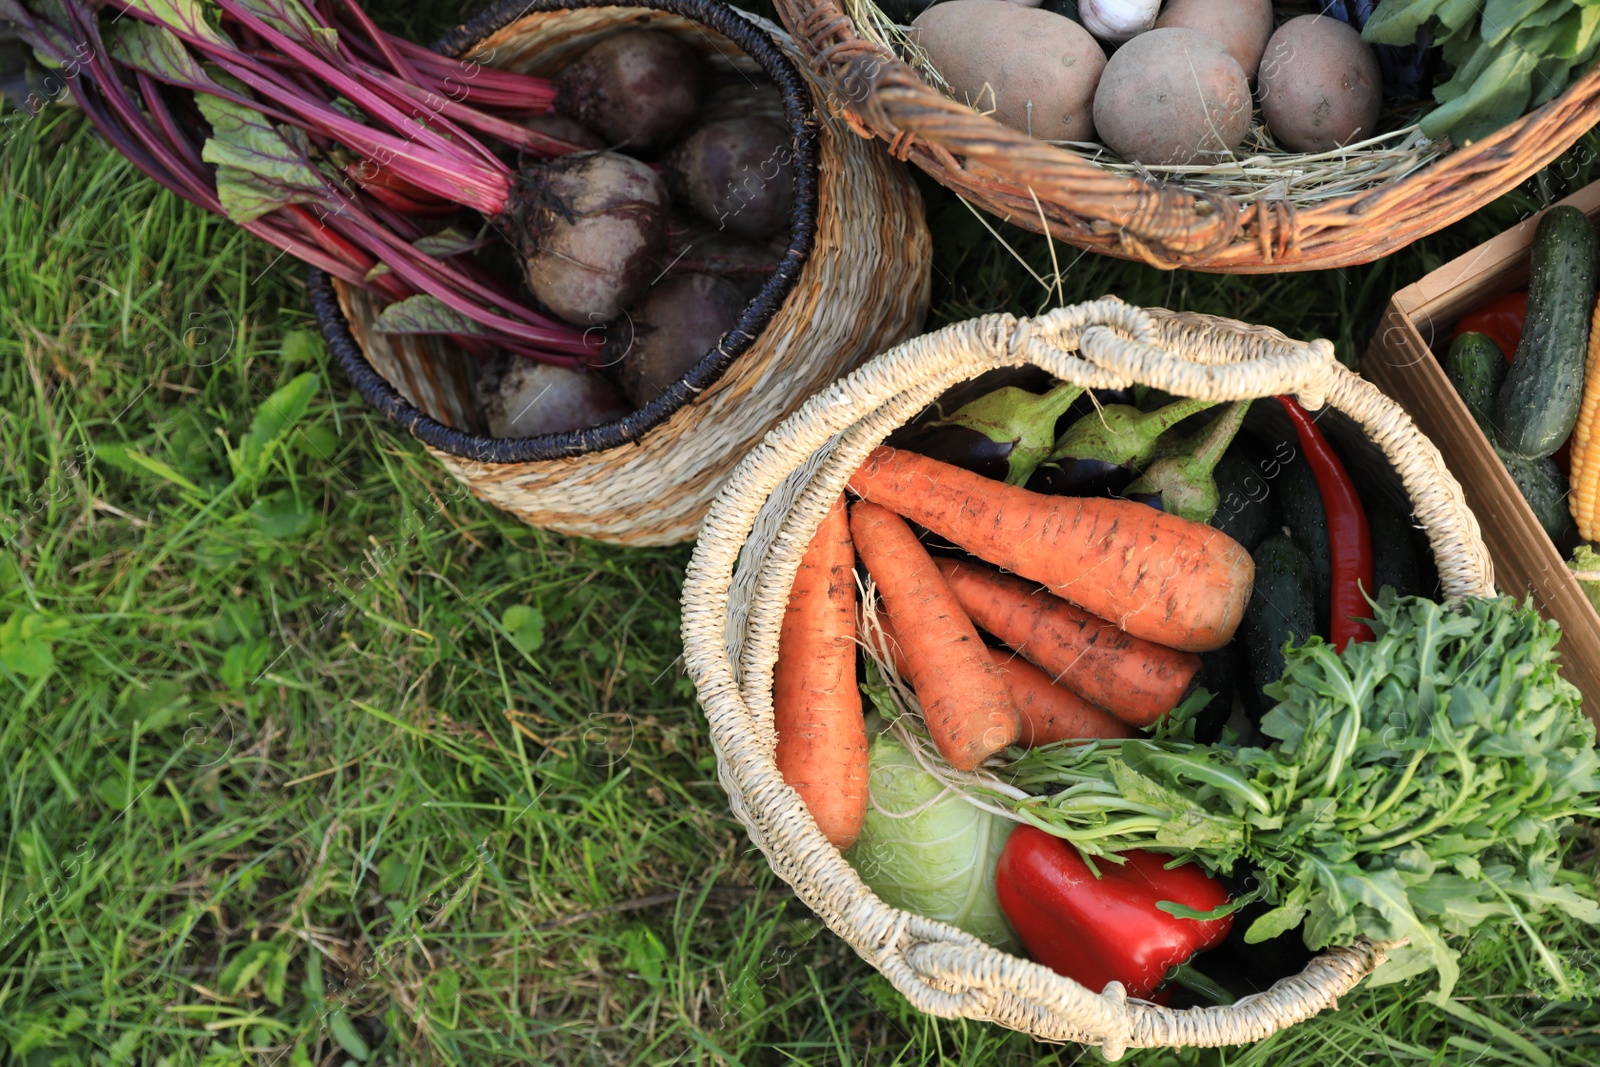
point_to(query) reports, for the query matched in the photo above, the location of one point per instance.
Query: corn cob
(1585, 471)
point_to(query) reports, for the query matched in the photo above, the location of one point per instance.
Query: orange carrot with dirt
(1138, 681)
(816, 703)
(1050, 712)
(1157, 576)
(966, 704)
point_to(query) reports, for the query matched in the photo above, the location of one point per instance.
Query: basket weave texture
(1027, 182)
(750, 547)
(862, 286)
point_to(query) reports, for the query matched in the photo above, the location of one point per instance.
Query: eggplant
(1101, 453)
(1121, 434)
(1081, 477)
(1186, 482)
(1004, 434)
(959, 446)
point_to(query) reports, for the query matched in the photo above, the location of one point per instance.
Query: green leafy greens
(1508, 55)
(1418, 786)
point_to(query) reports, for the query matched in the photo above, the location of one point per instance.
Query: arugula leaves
(1418, 786)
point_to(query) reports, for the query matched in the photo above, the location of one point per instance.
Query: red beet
(523, 398)
(737, 173)
(637, 89)
(590, 227)
(668, 332)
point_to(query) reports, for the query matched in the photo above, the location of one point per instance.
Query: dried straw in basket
(858, 284)
(1122, 211)
(760, 524)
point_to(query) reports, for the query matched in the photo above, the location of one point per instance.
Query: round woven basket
(760, 524)
(854, 280)
(1031, 183)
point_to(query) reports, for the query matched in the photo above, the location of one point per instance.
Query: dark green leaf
(282, 515)
(274, 420)
(343, 1032)
(259, 167)
(158, 52)
(187, 16)
(424, 314)
(244, 966)
(291, 19)
(525, 625)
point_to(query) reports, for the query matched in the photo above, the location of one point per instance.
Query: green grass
(307, 757)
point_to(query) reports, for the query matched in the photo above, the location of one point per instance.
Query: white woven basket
(761, 522)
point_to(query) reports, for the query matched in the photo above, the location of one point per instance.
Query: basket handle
(1198, 356)
(1116, 1023)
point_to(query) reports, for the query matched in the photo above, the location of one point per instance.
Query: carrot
(1050, 712)
(1157, 576)
(816, 703)
(1138, 681)
(965, 702)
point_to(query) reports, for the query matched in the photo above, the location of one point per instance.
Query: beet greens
(331, 140)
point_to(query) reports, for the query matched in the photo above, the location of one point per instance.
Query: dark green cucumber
(1394, 549)
(1219, 674)
(1477, 368)
(1282, 608)
(1244, 501)
(1544, 487)
(1538, 404)
(1300, 506)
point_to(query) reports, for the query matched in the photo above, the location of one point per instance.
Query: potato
(1172, 96)
(1035, 71)
(1320, 85)
(1241, 26)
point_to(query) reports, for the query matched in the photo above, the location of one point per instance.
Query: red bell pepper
(1105, 929)
(1500, 320)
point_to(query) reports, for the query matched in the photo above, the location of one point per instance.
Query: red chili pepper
(1349, 539)
(1106, 929)
(1500, 319)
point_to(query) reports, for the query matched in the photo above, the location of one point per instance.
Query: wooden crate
(1402, 361)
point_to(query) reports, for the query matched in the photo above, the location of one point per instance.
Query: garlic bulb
(1118, 20)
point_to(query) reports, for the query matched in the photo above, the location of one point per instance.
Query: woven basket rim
(756, 315)
(1163, 222)
(766, 515)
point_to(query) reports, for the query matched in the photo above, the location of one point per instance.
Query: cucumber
(1544, 487)
(1282, 608)
(1244, 501)
(1394, 549)
(1537, 406)
(1219, 673)
(1300, 505)
(1477, 368)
